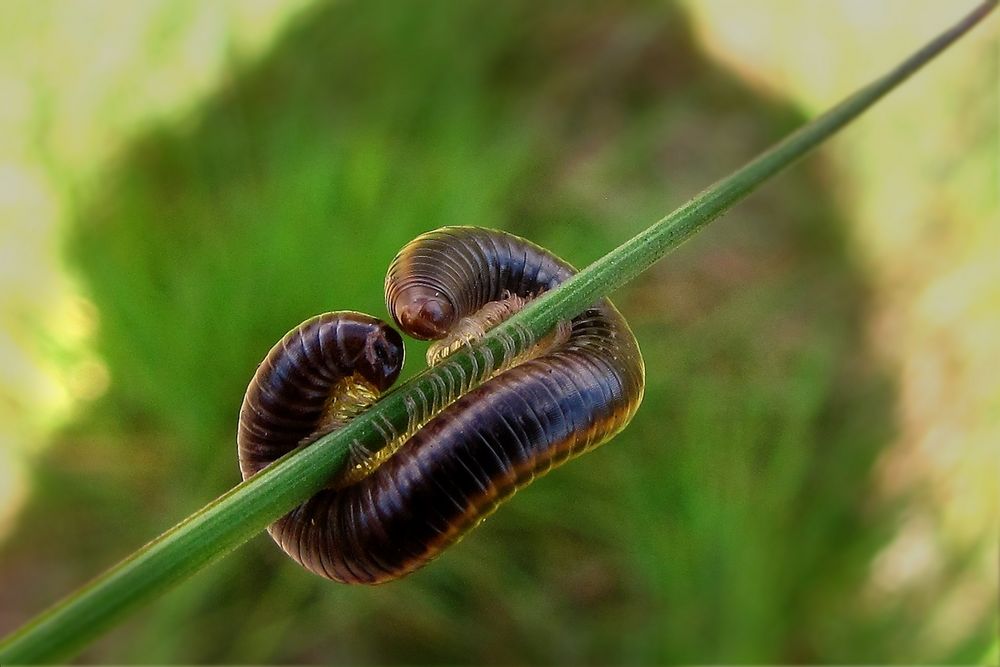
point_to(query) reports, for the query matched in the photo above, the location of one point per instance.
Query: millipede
(393, 511)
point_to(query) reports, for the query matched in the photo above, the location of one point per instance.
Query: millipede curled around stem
(393, 511)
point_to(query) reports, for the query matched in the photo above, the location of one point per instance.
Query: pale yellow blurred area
(77, 80)
(924, 215)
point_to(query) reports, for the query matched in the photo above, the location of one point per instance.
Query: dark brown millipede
(390, 515)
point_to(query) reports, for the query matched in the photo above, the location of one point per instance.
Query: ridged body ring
(393, 512)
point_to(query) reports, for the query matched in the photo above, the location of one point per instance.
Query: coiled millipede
(395, 510)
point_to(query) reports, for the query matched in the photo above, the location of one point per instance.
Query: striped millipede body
(575, 390)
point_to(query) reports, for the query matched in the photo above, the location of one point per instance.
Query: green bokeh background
(736, 520)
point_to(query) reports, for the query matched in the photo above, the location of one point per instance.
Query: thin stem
(232, 519)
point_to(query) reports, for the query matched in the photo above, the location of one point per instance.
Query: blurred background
(812, 477)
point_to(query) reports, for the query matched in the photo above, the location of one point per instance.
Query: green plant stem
(232, 519)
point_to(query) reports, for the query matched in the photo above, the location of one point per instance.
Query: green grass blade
(247, 509)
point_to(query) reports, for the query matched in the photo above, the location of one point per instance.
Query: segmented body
(575, 393)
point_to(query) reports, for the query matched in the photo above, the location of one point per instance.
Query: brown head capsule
(574, 391)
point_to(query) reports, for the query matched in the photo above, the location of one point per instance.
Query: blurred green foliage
(731, 522)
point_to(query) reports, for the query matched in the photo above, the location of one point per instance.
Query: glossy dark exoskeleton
(465, 460)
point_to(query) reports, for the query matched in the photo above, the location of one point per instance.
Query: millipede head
(423, 311)
(380, 357)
